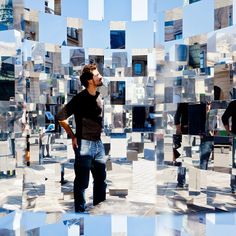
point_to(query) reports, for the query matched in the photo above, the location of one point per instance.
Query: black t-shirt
(87, 110)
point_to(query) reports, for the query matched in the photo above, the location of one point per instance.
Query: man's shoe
(179, 185)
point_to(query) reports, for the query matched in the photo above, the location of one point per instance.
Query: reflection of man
(230, 112)
(89, 150)
(207, 140)
(181, 123)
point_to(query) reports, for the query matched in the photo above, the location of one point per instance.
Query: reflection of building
(47, 8)
(173, 30)
(53, 63)
(119, 59)
(74, 37)
(57, 7)
(118, 120)
(7, 78)
(223, 17)
(77, 57)
(197, 55)
(31, 29)
(6, 14)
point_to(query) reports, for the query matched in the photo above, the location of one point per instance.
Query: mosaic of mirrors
(151, 63)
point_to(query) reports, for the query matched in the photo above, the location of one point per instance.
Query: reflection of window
(47, 70)
(178, 35)
(117, 39)
(181, 52)
(117, 92)
(138, 68)
(73, 86)
(192, 1)
(47, 54)
(169, 23)
(139, 64)
(7, 89)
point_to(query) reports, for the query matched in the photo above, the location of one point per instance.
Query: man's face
(97, 78)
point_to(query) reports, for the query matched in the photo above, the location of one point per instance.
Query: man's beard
(100, 84)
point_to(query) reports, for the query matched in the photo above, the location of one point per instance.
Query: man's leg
(98, 170)
(82, 167)
(206, 148)
(181, 176)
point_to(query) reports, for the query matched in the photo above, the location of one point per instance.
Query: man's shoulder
(80, 94)
(232, 104)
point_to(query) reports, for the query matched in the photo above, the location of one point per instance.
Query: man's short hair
(87, 74)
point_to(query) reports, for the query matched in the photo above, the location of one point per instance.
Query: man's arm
(227, 129)
(69, 131)
(62, 116)
(225, 118)
(177, 118)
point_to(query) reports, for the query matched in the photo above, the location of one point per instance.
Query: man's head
(90, 76)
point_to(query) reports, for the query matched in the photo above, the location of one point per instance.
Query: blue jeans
(206, 148)
(89, 156)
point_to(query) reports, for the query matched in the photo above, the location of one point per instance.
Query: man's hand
(74, 143)
(178, 129)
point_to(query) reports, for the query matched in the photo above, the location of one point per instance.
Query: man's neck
(92, 91)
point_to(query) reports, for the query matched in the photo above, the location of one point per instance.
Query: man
(86, 107)
(181, 123)
(230, 112)
(207, 137)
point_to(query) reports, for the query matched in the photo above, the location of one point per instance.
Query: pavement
(137, 187)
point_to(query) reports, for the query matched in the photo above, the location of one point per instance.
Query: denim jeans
(206, 148)
(89, 156)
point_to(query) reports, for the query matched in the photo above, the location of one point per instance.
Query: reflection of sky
(96, 34)
(74, 8)
(193, 24)
(211, 224)
(135, 34)
(30, 220)
(52, 28)
(104, 223)
(8, 36)
(35, 4)
(163, 5)
(54, 229)
(117, 10)
(136, 226)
